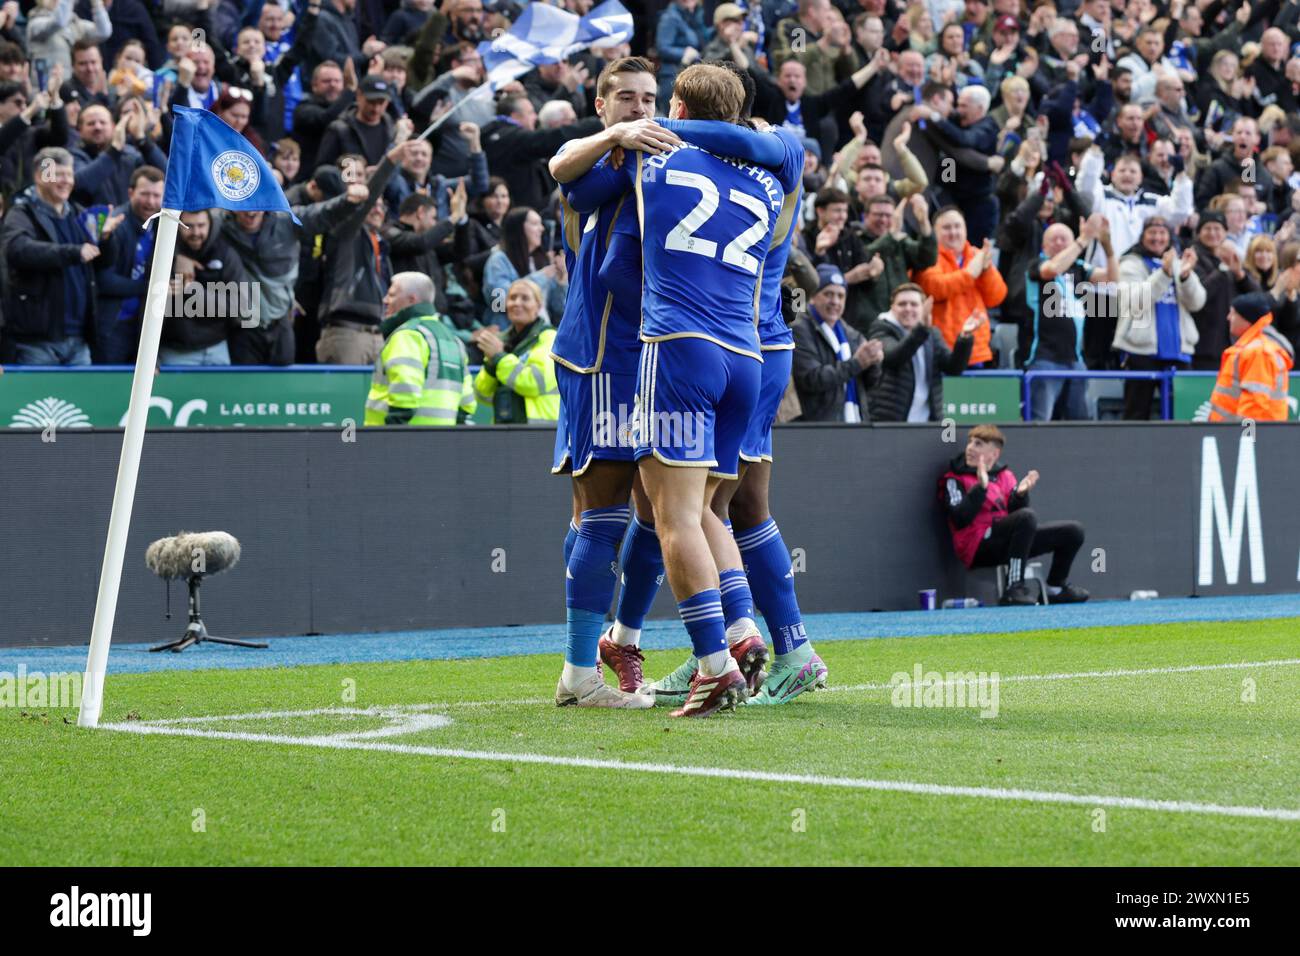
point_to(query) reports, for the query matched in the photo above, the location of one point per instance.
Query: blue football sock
(589, 584)
(594, 561)
(772, 580)
(570, 540)
(643, 573)
(737, 602)
(702, 615)
(584, 627)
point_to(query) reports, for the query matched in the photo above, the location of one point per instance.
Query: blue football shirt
(706, 225)
(777, 150)
(773, 333)
(593, 336)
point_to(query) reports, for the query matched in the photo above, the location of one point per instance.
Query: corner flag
(210, 164)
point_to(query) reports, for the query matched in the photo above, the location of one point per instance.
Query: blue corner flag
(210, 164)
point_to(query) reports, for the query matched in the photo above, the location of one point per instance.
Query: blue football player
(706, 226)
(768, 571)
(596, 351)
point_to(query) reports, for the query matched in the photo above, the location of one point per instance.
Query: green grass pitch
(1191, 759)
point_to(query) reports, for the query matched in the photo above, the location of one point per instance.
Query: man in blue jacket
(123, 278)
(50, 302)
(109, 153)
(680, 39)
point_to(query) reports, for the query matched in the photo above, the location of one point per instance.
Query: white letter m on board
(1229, 527)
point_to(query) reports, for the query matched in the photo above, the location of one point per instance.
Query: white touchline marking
(1083, 675)
(390, 710)
(538, 701)
(1005, 679)
(416, 717)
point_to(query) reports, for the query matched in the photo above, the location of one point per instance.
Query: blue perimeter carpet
(549, 638)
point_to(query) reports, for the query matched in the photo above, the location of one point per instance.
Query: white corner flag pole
(128, 468)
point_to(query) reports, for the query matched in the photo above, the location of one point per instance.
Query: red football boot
(750, 655)
(625, 661)
(708, 695)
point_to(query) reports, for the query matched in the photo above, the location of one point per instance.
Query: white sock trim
(625, 636)
(573, 676)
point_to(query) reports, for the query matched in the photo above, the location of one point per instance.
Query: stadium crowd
(983, 183)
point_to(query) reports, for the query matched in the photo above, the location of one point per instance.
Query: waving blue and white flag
(542, 34)
(608, 24)
(547, 34)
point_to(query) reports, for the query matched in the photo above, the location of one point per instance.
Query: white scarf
(852, 410)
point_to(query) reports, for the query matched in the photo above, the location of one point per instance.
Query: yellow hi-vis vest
(524, 376)
(423, 369)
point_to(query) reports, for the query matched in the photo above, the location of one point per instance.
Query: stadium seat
(1031, 574)
(1006, 337)
(1105, 398)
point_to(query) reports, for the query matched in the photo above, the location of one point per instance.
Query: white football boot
(594, 692)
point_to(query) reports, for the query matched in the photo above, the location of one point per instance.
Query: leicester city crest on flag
(212, 165)
(235, 174)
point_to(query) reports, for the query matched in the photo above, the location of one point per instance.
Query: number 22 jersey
(706, 224)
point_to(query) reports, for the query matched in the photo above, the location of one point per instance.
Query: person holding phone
(523, 253)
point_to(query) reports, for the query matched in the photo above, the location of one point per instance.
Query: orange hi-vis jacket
(957, 297)
(1253, 380)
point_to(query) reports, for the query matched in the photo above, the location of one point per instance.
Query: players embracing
(676, 255)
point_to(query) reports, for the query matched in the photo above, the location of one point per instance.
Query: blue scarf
(754, 21)
(139, 265)
(794, 117)
(205, 99)
(1085, 124)
(293, 86)
(1169, 336)
(92, 217)
(1180, 55)
(852, 410)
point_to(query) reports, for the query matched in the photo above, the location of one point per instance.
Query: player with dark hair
(596, 352)
(701, 363)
